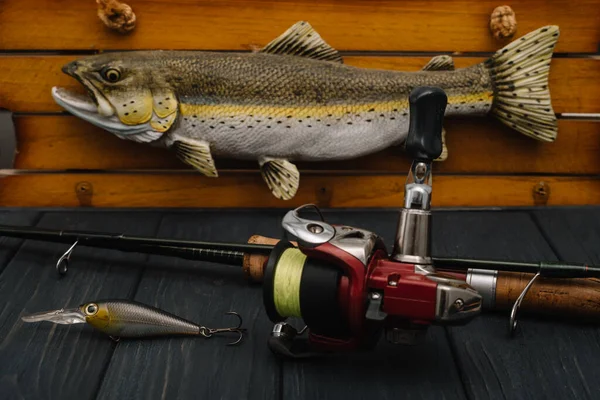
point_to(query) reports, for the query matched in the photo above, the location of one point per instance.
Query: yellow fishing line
(286, 283)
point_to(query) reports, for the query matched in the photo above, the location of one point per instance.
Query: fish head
(96, 314)
(127, 94)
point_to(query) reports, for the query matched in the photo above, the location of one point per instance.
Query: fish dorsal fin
(303, 41)
(440, 63)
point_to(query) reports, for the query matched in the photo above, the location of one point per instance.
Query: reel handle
(427, 107)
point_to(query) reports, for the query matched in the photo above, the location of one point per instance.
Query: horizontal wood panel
(26, 81)
(248, 190)
(475, 145)
(355, 25)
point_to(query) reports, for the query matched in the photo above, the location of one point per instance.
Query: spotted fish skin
(295, 100)
(309, 110)
(120, 318)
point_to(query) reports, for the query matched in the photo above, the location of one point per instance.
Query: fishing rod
(345, 285)
(235, 253)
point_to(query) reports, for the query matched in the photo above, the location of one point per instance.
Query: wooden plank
(475, 146)
(387, 370)
(198, 367)
(27, 80)
(547, 359)
(57, 361)
(248, 190)
(9, 246)
(356, 25)
(573, 233)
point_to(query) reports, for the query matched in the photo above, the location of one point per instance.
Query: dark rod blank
(233, 253)
(120, 241)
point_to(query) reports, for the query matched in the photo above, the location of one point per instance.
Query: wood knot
(541, 193)
(503, 23)
(116, 15)
(323, 195)
(84, 192)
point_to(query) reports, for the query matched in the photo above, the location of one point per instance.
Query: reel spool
(299, 286)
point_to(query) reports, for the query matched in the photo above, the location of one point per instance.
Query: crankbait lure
(124, 318)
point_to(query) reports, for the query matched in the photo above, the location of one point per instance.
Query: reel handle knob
(427, 106)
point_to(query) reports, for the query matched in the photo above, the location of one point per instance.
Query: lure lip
(62, 316)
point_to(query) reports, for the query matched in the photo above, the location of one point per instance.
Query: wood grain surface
(547, 358)
(573, 234)
(44, 360)
(474, 146)
(356, 25)
(27, 80)
(248, 190)
(38, 37)
(9, 246)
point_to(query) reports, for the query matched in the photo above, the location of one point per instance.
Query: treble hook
(62, 265)
(208, 332)
(513, 313)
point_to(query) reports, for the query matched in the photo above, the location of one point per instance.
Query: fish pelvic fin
(197, 154)
(519, 74)
(282, 177)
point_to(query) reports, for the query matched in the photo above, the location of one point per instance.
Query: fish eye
(91, 309)
(111, 74)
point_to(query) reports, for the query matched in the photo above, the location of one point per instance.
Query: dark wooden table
(547, 359)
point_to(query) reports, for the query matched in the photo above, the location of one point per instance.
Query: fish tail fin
(519, 74)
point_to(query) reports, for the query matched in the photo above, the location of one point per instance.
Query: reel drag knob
(427, 107)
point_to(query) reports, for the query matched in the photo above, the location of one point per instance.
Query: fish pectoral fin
(197, 154)
(444, 154)
(440, 63)
(281, 176)
(303, 41)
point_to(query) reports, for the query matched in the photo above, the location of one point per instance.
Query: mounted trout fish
(295, 100)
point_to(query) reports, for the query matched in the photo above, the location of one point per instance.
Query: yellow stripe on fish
(481, 99)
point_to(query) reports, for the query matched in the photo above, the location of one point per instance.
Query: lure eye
(111, 75)
(91, 309)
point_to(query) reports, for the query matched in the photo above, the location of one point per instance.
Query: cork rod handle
(550, 296)
(254, 264)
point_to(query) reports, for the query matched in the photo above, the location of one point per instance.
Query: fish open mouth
(94, 109)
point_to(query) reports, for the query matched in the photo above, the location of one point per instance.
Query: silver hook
(513, 314)
(62, 265)
(208, 332)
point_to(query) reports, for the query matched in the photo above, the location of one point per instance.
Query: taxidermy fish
(295, 100)
(130, 319)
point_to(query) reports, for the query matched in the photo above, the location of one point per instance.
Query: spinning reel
(341, 281)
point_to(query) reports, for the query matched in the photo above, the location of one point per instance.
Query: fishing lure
(295, 100)
(130, 319)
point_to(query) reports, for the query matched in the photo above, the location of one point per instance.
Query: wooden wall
(68, 162)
